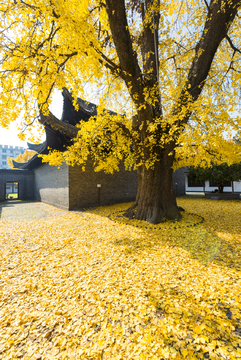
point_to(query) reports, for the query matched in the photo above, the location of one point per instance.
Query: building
(9, 151)
(66, 187)
(209, 187)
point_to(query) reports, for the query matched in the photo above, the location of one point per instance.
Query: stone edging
(159, 228)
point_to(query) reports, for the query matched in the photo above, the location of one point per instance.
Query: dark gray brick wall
(71, 188)
(179, 181)
(25, 180)
(52, 185)
(83, 192)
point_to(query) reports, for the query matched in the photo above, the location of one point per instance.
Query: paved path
(17, 210)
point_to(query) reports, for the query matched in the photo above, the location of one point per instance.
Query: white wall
(212, 188)
(187, 188)
(236, 187)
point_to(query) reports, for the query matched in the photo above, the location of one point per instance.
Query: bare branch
(28, 5)
(232, 45)
(207, 5)
(68, 56)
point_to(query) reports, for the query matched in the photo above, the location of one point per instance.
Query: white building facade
(9, 151)
(209, 186)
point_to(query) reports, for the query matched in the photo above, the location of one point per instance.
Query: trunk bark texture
(156, 199)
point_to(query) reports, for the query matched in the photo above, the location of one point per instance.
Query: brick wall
(71, 188)
(83, 191)
(25, 180)
(51, 185)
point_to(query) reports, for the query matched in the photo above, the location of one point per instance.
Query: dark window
(4, 156)
(214, 184)
(4, 163)
(4, 150)
(195, 184)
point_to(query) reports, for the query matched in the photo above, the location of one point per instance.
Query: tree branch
(207, 5)
(232, 45)
(116, 12)
(115, 69)
(215, 30)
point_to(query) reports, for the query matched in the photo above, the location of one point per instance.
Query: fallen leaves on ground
(82, 286)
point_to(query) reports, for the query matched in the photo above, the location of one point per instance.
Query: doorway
(11, 190)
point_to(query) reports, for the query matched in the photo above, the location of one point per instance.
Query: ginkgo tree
(171, 70)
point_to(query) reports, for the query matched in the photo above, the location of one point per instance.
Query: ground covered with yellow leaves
(92, 285)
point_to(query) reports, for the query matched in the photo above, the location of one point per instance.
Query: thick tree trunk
(155, 200)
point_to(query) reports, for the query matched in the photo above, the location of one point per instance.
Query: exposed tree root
(153, 215)
(131, 211)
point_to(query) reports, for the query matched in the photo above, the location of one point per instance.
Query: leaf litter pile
(87, 286)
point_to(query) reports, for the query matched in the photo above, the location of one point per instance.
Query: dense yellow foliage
(54, 43)
(92, 288)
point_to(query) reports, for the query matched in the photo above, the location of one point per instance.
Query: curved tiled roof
(86, 109)
(34, 161)
(59, 133)
(34, 147)
(72, 116)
